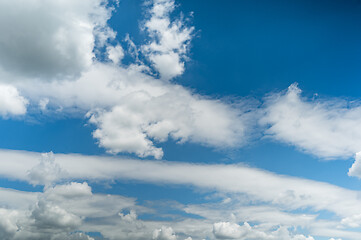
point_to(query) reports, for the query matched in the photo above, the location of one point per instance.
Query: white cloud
(50, 39)
(326, 128)
(49, 216)
(228, 230)
(131, 108)
(256, 184)
(133, 111)
(169, 40)
(43, 104)
(115, 54)
(73, 236)
(46, 172)
(168, 65)
(164, 233)
(73, 207)
(8, 226)
(145, 117)
(69, 191)
(57, 213)
(11, 102)
(355, 169)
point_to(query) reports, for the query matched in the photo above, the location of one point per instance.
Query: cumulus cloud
(328, 128)
(50, 39)
(58, 213)
(8, 223)
(115, 53)
(228, 230)
(46, 172)
(133, 111)
(67, 209)
(355, 169)
(169, 40)
(48, 216)
(158, 112)
(69, 191)
(131, 108)
(11, 102)
(164, 233)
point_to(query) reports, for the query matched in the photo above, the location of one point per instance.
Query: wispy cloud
(327, 128)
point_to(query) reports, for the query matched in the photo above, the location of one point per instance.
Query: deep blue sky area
(253, 47)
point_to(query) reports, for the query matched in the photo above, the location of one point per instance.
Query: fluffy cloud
(326, 128)
(50, 39)
(164, 233)
(46, 171)
(228, 230)
(115, 54)
(48, 216)
(66, 211)
(355, 169)
(11, 102)
(132, 109)
(169, 40)
(146, 116)
(57, 213)
(8, 226)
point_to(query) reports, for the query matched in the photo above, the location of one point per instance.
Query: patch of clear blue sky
(241, 48)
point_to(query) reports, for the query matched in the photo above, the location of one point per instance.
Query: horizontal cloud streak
(257, 184)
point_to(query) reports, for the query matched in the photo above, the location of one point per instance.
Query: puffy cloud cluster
(167, 111)
(48, 216)
(58, 213)
(46, 171)
(164, 233)
(132, 109)
(228, 230)
(169, 40)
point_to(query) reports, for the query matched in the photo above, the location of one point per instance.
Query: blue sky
(180, 120)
